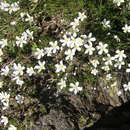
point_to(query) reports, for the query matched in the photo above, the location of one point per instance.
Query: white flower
(65, 41)
(78, 43)
(94, 71)
(39, 53)
(13, 23)
(48, 51)
(24, 35)
(72, 42)
(106, 68)
(89, 49)
(20, 41)
(1, 84)
(108, 77)
(62, 84)
(3, 43)
(120, 55)
(82, 16)
(54, 46)
(60, 67)
(30, 71)
(126, 29)
(4, 6)
(118, 2)
(26, 17)
(75, 87)
(18, 69)
(75, 23)
(12, 127)
(89, 38)
(40, 66)
(117, 38)
(4, 99)
(13, 7)
(119, 64)
(9, 7)
(5, 71)
(19, 99)
(18, 80)
(1, 52)
(22, 15)
(128, 69)
(5, 105)
(29, 18)
(69, 54)
(108, 60)
(4, 120)
(94, 62)
(102, 48)
(127, 86)
(119, 93)
(29, 34)
(106, 24)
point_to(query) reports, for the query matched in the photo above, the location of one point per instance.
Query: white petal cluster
(12, 127)
(120, 55)
(118, 2)
(54, 46)
(40, 66)
(94, 62)
(69, 54)
(4, 120)
(26, 17)
(5, 71)
(30, 71)
(128, 69)
(75, 87)
(108, 60)
(4, 99)
(102, 48)
(3, 43)
(127, 86)
(18, 69)
(60, 67)
(9, 7)
(126, 29)
(62, 84)
(89, 49)
(94, 71)
(18, 80)
(106, 23)
(82, 16)
(117, 38)
(77, 20)
(108, 77)
(24, 38)
(89, 39)
(19, 99)
(39, 53)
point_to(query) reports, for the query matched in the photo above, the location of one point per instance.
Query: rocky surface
(100, 109)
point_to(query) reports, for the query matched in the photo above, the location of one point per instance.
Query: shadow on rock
(116, 119)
